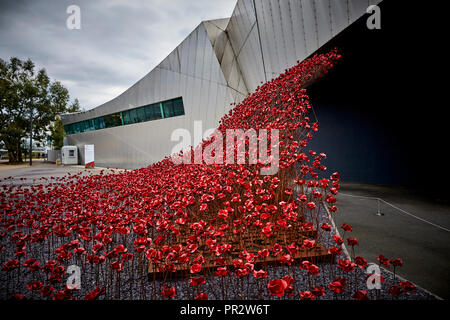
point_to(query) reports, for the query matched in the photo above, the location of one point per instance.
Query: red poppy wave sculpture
(193, 221)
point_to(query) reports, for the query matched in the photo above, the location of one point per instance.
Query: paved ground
(43, 169)
(424, 248)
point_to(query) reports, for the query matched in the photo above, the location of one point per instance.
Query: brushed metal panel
(241, 23)
(207, 63)
(298, 29)
(323, 16)
(309, 24)
(156, 74)
(221, 23)
(266, 31)
(227, 61)
(357, 8)
(250, 61)
(212, 30)
(192, 43)
(202, 41)
(279, 35)
(164, 83)
(339, 16)
(211, 102)
(287, 27)
(183, 52)
(233, 80)
(219, 45)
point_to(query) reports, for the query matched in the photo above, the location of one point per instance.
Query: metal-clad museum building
(220, 62)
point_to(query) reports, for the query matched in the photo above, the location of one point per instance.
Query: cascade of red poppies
(195, 220)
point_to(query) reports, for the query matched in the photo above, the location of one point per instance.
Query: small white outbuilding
(69, 155)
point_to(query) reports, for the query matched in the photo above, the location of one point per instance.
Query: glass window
(153, 112)
(133, 116)
(126, 117)
(67, 129)
(76, 127)
(90, 125)
(178, 108)
(99, 123)
(112, 120)
(140, 114)
(168, 109)
(84, 126)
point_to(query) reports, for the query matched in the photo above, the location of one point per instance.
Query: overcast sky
(119, 41)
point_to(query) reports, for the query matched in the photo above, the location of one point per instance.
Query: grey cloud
(119, 41)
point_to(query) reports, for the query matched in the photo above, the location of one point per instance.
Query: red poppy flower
(267, 230)
(277, 249)
(264, 253)
(336, 286)
(95, 294)
(11, 265)
(308, 244)
(260, 274)
(335, 251)
(360, 262)
(196, 268)
(197, 281)
(277, 287)
(395, 290)
(168, 292)
(397, 262)
(222, 272)
(325, 226)
(292, 248)
(223, 214)
(318, 291)
(407, 286)
(46, 291)
(97, 247)
(360, 295)
(352, 241)
(338, 239)
(311, 205)
(308, 226)
(202, 296)
(346, 265)
(305, 264)
(120, 249)
(290, 281)
(306, 295)
(117, 266)
(18, 296)
(346, 227)
(34, 285)
(313, 269)
(383, 260)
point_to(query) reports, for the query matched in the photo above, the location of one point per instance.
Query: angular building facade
(219, 63)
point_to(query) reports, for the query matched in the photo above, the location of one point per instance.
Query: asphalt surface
(424, 248)
(43, 169)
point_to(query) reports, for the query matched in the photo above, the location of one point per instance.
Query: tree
(26, 94)
(57, 132)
